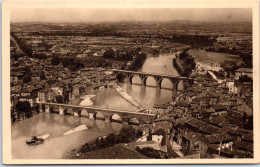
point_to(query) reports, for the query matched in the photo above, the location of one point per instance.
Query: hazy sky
(100, 15)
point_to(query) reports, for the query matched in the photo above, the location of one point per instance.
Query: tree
(111, 139)
(16, 56)
(138, 62)
(139, 134)
(40, 56)
(109, 54)
(26, 78)
(55, 60)
(245, 78)
(73, 63)
(229, 67)
(24, 106)
(120, 77)
(59, 99)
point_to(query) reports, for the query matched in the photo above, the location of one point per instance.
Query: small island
(184, 63)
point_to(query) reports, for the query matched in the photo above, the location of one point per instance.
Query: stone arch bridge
(126, 116)
(157, 77)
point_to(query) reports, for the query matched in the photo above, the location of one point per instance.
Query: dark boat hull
(33, 143)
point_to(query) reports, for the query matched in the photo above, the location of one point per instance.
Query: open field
(204, 56)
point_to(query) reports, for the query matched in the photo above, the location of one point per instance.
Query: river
(57, 145)
(144, 95)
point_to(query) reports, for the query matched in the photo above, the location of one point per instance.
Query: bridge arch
(132, 76)
(84, 113)
(174, 82)
(54, 109)
(66, 111)
(150, 79)
(99, 115)
(76, 111)
(134, 121)
(115, 118)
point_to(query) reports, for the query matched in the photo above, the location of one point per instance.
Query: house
(160, 109)
(213, 98)
(30, 99)
(230, 84)
(219, 121)
(109, 81)
(206, 113)
(193, 125)
(220, 110)
(190, 143)
(244, 71)
(41, 96)
(35, 78)
(216, 142)
(189, 96)
(16, 76)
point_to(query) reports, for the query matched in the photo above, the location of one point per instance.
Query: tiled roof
(218, 121)
(210, 129)
(249, 70)
(195, 123)
(248, 137)
(217, 138)
(245, 146)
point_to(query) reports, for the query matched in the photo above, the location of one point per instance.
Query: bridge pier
(143, 79)
(125, 121)
(140, 122)
(75, 114)
(107, 118)
(158, 81)
(91, 115)
(40, 108)
(61, 110)
(175, 85)
(47, 108)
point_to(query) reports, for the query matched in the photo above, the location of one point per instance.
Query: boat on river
(35, 141)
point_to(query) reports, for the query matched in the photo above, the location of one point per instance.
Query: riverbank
(128, 97)
(75, 101)
(97, 147)
(86, 100)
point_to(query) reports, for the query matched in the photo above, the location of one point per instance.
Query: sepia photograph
(173, 82)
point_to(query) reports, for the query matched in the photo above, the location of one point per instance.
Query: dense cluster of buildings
(45, 81)
(207, 120)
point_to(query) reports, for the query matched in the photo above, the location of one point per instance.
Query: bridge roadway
(107, 113)
(157, 77)
(152, 74)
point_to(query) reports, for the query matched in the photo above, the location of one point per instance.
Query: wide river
(57, 145)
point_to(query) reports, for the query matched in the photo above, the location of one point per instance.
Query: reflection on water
(56, 145)
(109, 98)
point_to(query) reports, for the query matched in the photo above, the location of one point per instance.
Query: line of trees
(116, 55)
(25, 48)
(24, 106)
(193, 40)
